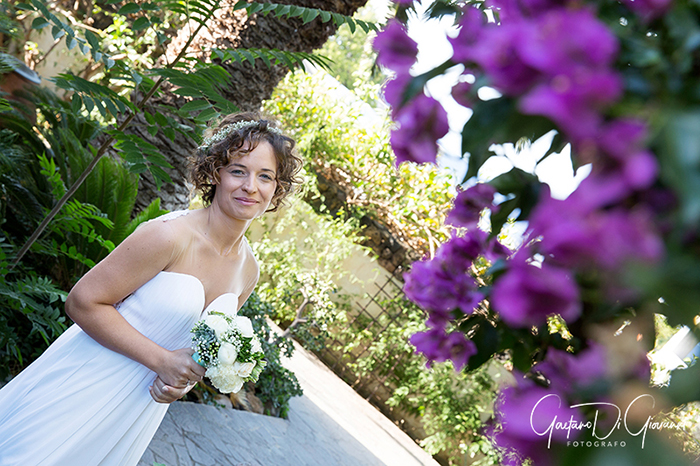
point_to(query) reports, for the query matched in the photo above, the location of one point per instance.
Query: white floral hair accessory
(226, 130)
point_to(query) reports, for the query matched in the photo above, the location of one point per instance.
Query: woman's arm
(90, 303)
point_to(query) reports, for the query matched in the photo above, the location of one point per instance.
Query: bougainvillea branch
(612, 79)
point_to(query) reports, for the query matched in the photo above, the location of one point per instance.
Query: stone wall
(390, 251)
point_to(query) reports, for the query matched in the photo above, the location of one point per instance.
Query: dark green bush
(276, 384)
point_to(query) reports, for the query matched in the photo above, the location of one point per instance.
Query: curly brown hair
(219, 153)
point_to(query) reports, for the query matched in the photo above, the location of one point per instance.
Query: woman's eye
(268, 177)
(236, 172)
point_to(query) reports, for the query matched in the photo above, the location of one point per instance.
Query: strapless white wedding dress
(81, 404)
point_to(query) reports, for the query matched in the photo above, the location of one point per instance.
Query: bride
(99, 392)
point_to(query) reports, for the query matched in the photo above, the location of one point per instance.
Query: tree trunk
(248, 85)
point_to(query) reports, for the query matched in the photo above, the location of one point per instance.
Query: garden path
(330, 425)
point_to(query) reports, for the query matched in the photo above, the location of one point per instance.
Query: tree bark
(248, 86)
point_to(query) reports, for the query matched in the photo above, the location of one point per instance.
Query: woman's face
(248, 183)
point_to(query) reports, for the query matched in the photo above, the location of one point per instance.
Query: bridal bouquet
(227, 347)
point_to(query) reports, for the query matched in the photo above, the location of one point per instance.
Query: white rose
(227, 353)
(217, 323)
(244, 369)
(256, 347)
(225, 379)
(244, 326)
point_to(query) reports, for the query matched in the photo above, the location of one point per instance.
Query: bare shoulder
(141, 256)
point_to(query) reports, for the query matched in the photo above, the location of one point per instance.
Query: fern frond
(273, 57)
(88, 45)
(306, 14)
(94, 95)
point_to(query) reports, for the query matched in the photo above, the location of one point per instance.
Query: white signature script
(573, 424)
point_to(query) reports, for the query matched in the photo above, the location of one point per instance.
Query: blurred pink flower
(439, 346)
(395, 49)
(469, 203)
(528, 415)
(526, 294)
(422, 121)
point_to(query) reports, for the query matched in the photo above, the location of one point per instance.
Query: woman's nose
(249, 185)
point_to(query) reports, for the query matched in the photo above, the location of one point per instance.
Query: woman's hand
(179, 369)
(164, 393)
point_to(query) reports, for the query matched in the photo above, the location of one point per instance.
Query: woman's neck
(225, 233)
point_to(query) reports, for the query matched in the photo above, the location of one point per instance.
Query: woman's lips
(246, 201)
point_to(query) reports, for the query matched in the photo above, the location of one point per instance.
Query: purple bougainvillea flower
(528, 415)
(568, 237)
(526, 294)
(422, 121)
(621, 138)
(394, 91)
(429, 342)
(459, 252)
(649, 10)
(466, 43)
(568, 372)
(622, 141)
(395, 49)
(577, 232)
(469, 204)
(524, 8)
(500, 59)
(565, 39)
(628, 236)
(462, 94)
(439, 346)
(435, 289)
(574, 101)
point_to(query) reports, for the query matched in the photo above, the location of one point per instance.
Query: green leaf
(161, 119)
(141, 23)
(39, 23)
(129, 8)
(92, 40)
(195, 105)
(282, 10)
(240, 5)
(477, 134)
(296, 11)
(309, 15)
(149, 118)
(162, 38)
(136, 77)
(71, 42)
(207, 115)
(57, 32)
(169, 132)
(76, 103)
